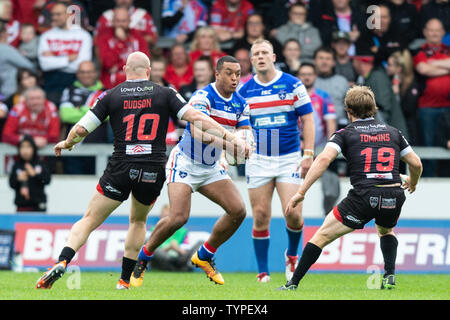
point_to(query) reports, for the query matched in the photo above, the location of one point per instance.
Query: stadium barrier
(424, 245)
(102, 152)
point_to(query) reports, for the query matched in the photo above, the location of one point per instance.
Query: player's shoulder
(321, 93)
(290, 80)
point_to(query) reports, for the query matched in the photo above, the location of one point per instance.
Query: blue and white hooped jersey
(274, 110)
(231, 113)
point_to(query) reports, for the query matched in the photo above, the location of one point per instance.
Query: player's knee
(261, 216)
(239, 213)
(179, 220)
(384, 231)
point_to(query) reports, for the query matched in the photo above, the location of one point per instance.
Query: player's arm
(318, 167)
(204, 123)
(415, 171)
(88, 123)
(308, 143)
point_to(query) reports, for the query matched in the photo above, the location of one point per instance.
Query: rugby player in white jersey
(276, 101)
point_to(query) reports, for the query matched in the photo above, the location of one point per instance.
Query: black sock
(310, 254)
(67, 254)
(388, 246)
(127, 268)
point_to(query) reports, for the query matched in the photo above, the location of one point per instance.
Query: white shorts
(180, 168)
(260, 169)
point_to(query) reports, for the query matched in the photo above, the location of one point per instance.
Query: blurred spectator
(205, 43)
(439, 9)
(298, 28)
(36, 117)
(339, 16)
(181, 18)
(76, 100)
(174, 254)
(159, 67)
(27, 11)
(75, 10)
(375, 77)
(10, 60)
(443, 140)
(326, 125)
(400, 69)
(275, 13)
(344, 67)
(404, 19)
(203, 75)
(28, 178)
(114, 46)
(179, 71)
(140, 21)
(228, 18)
(255, 29)
(334, 84)
(29, 43)
(3, 114)
(26, 79)
(433, 65)
(291, 56)
(382, 41)
(12, 25)
(243, 56)
(61, 50)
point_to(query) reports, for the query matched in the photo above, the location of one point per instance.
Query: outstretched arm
(315, 172)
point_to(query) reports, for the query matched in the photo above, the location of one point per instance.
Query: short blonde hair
(261, 41)
(360, 102)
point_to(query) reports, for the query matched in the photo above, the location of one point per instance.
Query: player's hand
(294, 202)
(60, 146)
(304, 166)
(406, 183)
(243, 148)
(223, 162)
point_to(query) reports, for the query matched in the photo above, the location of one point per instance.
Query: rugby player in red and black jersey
(373, 151)
(139, 112)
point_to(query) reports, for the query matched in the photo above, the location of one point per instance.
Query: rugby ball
(246, 135)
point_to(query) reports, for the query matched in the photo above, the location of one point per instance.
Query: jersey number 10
(129, 119)
(385, 158)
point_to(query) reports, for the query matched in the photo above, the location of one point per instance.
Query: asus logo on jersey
(265, 92)
(269, 121)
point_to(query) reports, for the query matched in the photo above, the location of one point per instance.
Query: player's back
(139, 113)
(373, 151)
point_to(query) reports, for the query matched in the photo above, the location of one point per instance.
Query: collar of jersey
(366, 119)
(136, 80)
(275, 79)
(218, 93)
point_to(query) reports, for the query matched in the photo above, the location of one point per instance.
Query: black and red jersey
(373, 151)
(139, 112)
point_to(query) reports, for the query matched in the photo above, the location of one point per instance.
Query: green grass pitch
(238, 286)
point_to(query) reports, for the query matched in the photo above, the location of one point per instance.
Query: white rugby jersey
(274, 110)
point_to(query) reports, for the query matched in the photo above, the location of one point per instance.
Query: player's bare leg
(388, 244)
(134, 240)
(225, 194)
(330, 230)
(261, 202)
(294, 225)
(180, 206)
(99, 208)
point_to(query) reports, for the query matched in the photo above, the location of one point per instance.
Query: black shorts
(362, 205)
(144, 181)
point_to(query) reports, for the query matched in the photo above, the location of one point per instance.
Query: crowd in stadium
(57, 57)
